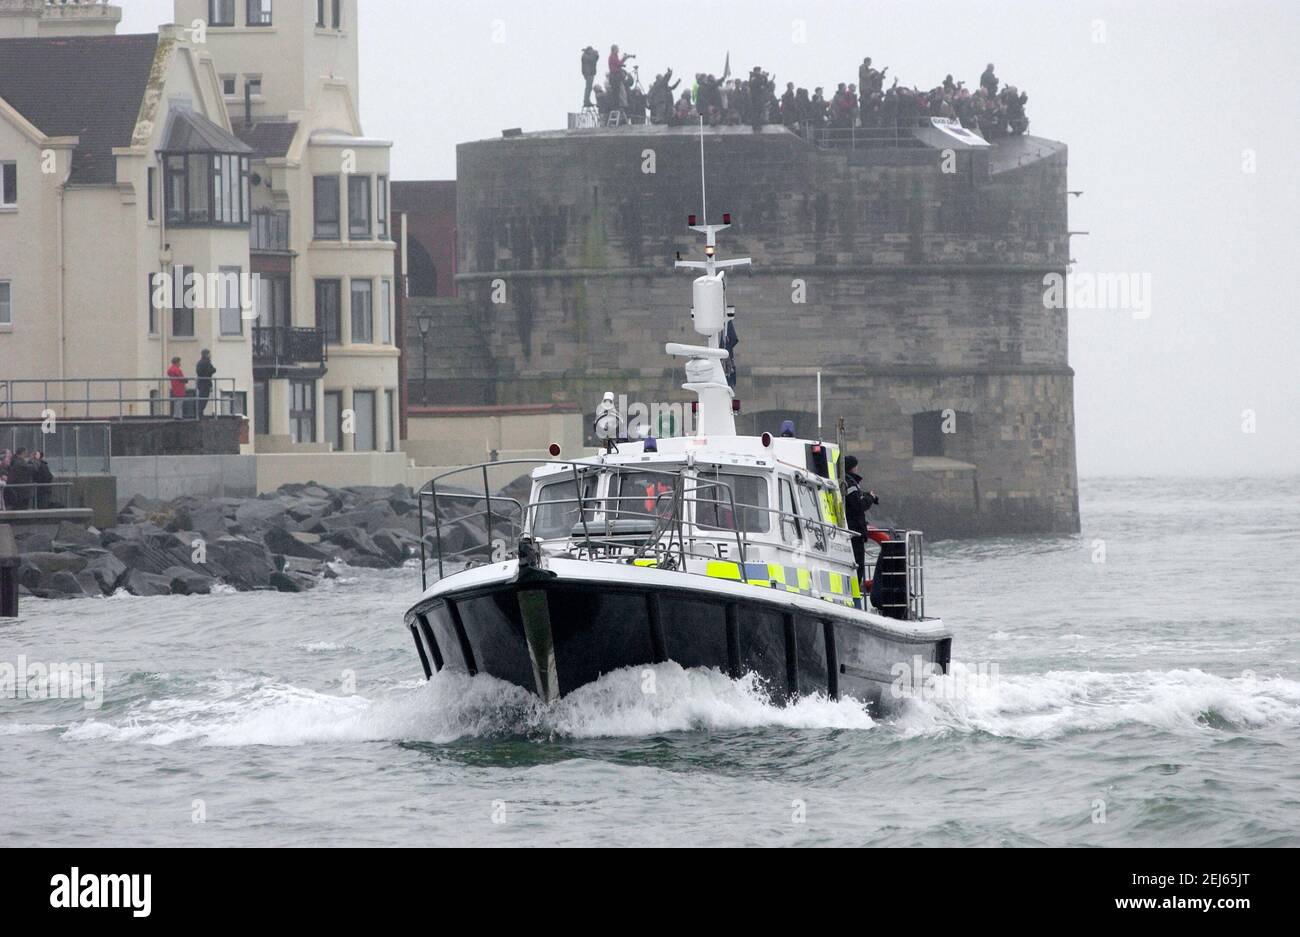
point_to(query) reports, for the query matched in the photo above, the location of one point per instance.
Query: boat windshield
(555, 509)
(713, 502)
(640, 494)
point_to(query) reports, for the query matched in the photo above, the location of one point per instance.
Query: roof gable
(82, 86)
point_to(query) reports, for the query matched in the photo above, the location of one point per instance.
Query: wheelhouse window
(555, 509)
(359, 207)
(8, 185)
(639, 495)
(259, 12)
(206, 189)
(326, 205)
(727, 501)
(221, 12)
(363, 312)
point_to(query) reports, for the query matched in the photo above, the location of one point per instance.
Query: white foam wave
(1059, 702)
(452, 707)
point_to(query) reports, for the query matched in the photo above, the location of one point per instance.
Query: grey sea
(1138, 684)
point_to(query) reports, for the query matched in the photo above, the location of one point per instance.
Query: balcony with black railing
(284, 346)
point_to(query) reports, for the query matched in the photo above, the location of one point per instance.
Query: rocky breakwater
(286, 541)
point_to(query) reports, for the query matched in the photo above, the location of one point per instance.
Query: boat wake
(1036, 706)
(237, 712)
(629, 703)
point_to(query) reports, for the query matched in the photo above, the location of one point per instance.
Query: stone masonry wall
(912, 291)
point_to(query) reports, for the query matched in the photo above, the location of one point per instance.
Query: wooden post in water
(8, 573)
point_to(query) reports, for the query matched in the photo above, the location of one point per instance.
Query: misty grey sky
(1158, 117)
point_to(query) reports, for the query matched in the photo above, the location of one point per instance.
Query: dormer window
(259, 12)
(221, 12)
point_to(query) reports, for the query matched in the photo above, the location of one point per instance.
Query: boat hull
(552, 634)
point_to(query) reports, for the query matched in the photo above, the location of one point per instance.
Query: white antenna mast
(704, 186)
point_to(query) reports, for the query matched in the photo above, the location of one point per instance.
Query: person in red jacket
(177, 374)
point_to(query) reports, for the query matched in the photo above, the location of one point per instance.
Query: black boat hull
(552, 636)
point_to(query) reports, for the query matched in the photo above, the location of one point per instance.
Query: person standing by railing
(18, 481)
(6, 457)
(42, 479)
(206, 371)
(178, 382)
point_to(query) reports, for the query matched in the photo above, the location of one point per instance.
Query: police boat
(712, 550)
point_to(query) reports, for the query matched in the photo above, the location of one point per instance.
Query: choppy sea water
(1150, 699)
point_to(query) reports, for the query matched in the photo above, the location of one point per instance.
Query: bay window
(206, 189)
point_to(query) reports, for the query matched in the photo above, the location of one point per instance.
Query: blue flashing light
(651, 444)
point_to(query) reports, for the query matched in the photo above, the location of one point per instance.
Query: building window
(363, 312)
(386, 310)
(381, 197)
(329, 310)
(151, 190)
(157, 301)
(337, 21)
(334, 419)
(6, 304)
(206, 189)
(221, 12)
(254, 85)
(359, 207)
(185, 284)
(8, 185)
(320, 13)
(273, 308)
(259, 12)
(229, 85)
(390, 418)
(326, 200)
(302, 411)
(261, 409)
(363, 406)
(232, 315)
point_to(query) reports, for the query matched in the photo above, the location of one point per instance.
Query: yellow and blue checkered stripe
(840, 588)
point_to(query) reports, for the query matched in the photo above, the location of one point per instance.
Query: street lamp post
(426, 324)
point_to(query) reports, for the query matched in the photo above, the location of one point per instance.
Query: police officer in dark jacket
(856, 505)
(206, 371)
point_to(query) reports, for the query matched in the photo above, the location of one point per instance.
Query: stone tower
(911, 277)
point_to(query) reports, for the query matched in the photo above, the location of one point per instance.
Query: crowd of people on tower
(993, 110)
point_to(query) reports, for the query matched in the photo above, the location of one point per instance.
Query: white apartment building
(230, 143)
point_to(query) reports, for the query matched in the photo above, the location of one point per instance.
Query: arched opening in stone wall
(947, 434)
(423, 272)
